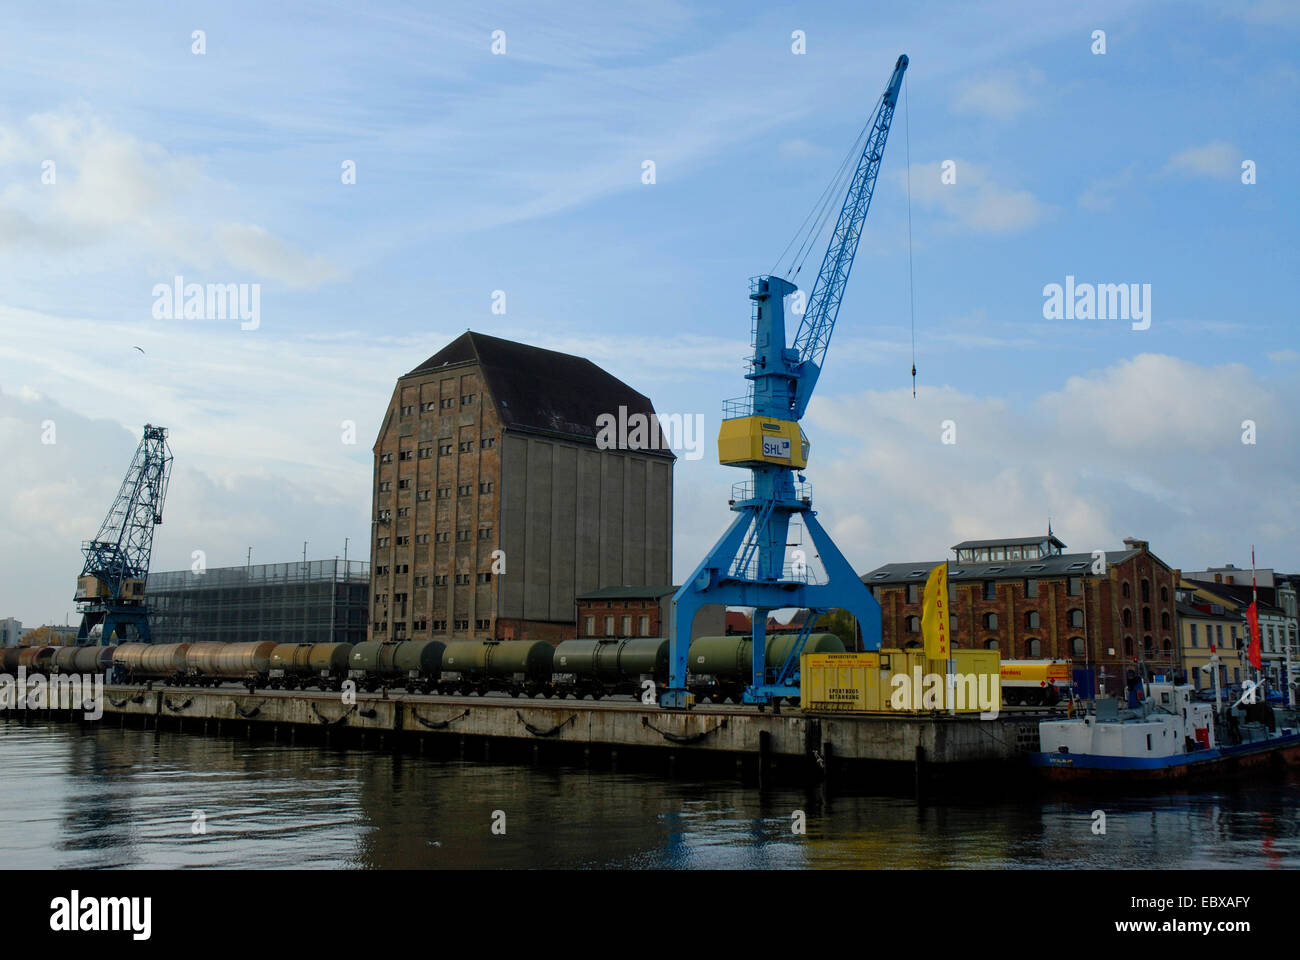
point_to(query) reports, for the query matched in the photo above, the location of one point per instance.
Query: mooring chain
(248, 714)
(326, 720)
(438, 724)
(683, 737)
(538, 732)
(175, 709)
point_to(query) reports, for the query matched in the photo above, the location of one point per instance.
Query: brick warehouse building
(1030, 600)
(487, 457)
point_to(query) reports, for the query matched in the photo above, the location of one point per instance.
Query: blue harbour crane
(760, 432)
(111, 588)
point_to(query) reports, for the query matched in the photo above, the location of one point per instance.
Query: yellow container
(748, 441)
(839, 681)
(897, 682)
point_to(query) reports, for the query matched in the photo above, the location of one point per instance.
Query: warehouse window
(462, 579)
(1219, 632)
(1124, 590)
(591, 626)
(382, 542)
(404, 455)
(1032, 648)
(444, 449)
(1164, 594)
(991, 621)
(403, 484)
(421, 581)
(442, 536)
(486, 487)
(1031, 619)
(645, 626)
(1193, 633)
(990, 644)
(439, 579)
(1146, 590)
(609, 626)
(422, 495)
(913, 593)
(420, 625)
(1076, 646)
(1164, 620)
(1076, 586)
(1127, 617)
(448, 402)
(464, 490)
(402, 512)
(462, 536)
(1031, 588)
(408, 410)
(485, 533)
(426, 453)
(421, 538)
(488, 443)
(990, 590)
(1076, 618)
(485, 578)
(462, 624)
(385, 458)
(467, 399)
(444, 493)
(403, 541)
(466, 446)
(1146, 618)
(440, 624)
(627, 627)
(483, 624)
(402, 568)
(1128, 646)
(913, 624)
(385, 486)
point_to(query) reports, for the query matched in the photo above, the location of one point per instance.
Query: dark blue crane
(747, 567)
(111, 588)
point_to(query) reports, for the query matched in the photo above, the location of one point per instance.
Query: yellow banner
(934, 614)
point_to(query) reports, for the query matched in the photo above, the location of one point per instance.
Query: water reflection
(110, 798)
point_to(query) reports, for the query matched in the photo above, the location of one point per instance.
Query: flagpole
(1254, 599)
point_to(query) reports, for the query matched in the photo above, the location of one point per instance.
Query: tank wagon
(144, 662)
(719, 668)
(604, 668)
(517, 667)
(211, 663)
(414, 665)
(303, 665)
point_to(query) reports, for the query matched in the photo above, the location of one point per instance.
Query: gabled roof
(543, 391)
(1013, 542)
(628, 593)
(1064, 564)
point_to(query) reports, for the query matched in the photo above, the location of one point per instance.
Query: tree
(840, 623)
(42, 637)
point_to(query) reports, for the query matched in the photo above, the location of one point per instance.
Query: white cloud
(1002, 96)
(1149, 447)
(114, 192)
(1216, 159)
(974, 202)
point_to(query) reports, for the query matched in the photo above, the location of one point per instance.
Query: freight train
(719, 667)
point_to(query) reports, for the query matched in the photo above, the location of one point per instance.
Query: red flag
(1252, 618)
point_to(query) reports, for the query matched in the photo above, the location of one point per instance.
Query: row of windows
(990, 621)
(439, 626)
(643, 627)
(1216, 637)
(446, 403)
(1127, 617)
(1033, 647)
(441, 536)
(1146, 591)
(989, 588)
(444, 450)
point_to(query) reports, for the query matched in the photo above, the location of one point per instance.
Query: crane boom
(814, 335)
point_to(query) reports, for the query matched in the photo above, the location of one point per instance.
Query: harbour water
(88, 797)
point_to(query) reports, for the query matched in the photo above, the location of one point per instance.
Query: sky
(134, 150)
